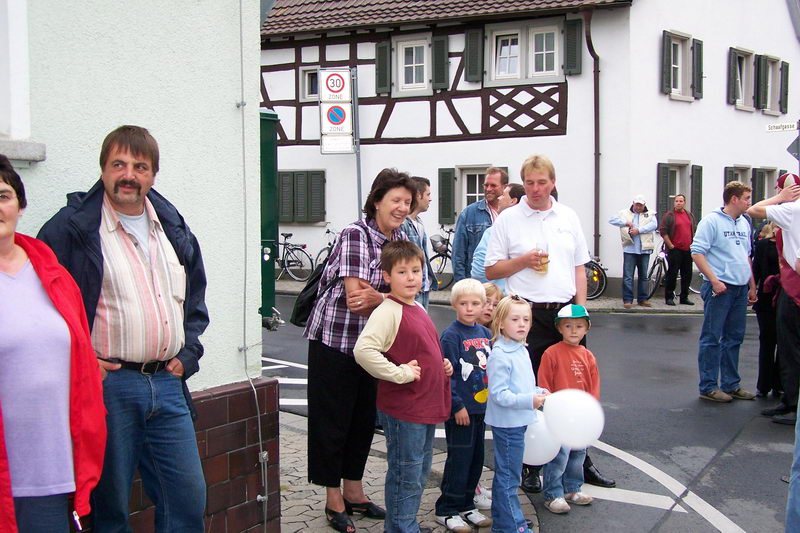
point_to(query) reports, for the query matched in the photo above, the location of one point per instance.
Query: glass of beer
(541, 247)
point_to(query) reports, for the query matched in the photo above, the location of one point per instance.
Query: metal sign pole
(356, 138)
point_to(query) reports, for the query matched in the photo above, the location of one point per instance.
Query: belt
(547, 306)
(148, 368)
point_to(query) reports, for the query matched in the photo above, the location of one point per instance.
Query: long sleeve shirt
(512, 385)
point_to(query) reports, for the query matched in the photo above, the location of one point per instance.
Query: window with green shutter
(301, 196)
(440, 62)
(383, 67)
(666, 62)
(697, 192)
(662, 188)
(762, 73)
(758, 184)
(730, 175)
(447, 196)
(784, 89)
(573, 46)
(697, 68)
(473, 54)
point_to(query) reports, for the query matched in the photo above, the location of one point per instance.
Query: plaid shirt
(356, 255)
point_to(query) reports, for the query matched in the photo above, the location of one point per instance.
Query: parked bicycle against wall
(326, 251)
(294, 259)
(657, 272)
(444, 253)
(596, 279)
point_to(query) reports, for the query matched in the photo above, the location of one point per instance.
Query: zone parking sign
(336, 118)
(334, 85)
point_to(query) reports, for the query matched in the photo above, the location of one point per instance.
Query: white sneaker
(483, 499)
(454, 523)
(579, 498)
(480, 489)
(476, 518)
(557, 505)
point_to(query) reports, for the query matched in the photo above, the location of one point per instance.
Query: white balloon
(540, 446)
(575, 418)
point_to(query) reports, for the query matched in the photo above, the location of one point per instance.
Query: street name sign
(782, 126)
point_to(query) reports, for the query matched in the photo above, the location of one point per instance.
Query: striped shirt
(140, 311)
(356, 255)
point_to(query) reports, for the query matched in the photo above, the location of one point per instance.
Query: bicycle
(294, 260)
(326, 251)
(444, 252)
(657, 272)
(596, 279)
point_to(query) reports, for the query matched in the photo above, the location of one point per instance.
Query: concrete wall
(173, 67)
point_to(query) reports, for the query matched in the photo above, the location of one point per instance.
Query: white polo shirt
(518, 229)
(787, 217)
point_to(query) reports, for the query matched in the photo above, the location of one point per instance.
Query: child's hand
(415, 369)
(462, 417)
(448, 367)
(538, 400)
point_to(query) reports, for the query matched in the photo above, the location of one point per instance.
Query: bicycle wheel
(322, 256)
(595, 280)
(655, 276)
(439, 262)
(298, 264)
(697, 280)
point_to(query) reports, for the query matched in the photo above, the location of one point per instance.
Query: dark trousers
(462, 470)
(341, 416)
(769, 378)
(678, 261)
(42, 514)
(788, 327)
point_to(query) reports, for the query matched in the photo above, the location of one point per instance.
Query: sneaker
(579, 498)
(476, 518)
(454, 523)
(645, 303)
(741, 394)
(717, 396)
(482, 498)
(557, 506)
(627, 305)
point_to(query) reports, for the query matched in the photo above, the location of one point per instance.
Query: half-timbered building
(653, 97)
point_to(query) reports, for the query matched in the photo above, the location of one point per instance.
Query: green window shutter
(301, 196)
(758, 184)
(666, 63)
(573, 41)
(286, 197)
(783, 103)
(473, 54)
(760, 96)
(732, 76)
(316, 196)
(383, 67)
(440, 62)
(697, 192)
(447, 196)
(697, 68)
(662, 189)
(729, 175)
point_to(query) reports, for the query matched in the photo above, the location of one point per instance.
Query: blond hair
(502, 311)
(767, 231)
(467, 287)
(492, 291)
(537, 163)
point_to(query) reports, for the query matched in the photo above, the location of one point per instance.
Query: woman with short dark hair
(341, 395)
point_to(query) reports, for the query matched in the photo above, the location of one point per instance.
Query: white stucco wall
(173, 67)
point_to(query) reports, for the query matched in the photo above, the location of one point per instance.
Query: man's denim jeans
(793, 501)
(149, 427)
(409, 449)
(629, 263)
(564, 474)
(509, 443)
(721, 336)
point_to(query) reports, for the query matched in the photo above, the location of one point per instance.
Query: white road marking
(634, 497)
(286, 363)
(273, 367)
(293, 401)
(292, 381)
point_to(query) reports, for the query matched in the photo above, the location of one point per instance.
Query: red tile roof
(296, 16)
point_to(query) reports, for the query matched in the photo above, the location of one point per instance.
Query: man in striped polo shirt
(143, 283)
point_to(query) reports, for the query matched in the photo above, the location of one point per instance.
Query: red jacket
(87, 413)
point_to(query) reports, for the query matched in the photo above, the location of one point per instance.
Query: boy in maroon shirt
(400, 347)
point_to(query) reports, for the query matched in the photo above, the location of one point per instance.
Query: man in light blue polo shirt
(721, 251)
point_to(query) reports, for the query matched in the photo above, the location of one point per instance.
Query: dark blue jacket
(471, 224)
(73, 235)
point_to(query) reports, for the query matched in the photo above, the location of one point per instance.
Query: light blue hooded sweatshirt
(726, 244)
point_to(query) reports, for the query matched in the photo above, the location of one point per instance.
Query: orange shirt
(565, 366)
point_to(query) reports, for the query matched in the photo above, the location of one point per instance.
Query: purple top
(34, 387)
(356, 255)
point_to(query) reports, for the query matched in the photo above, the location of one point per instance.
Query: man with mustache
(143, 283)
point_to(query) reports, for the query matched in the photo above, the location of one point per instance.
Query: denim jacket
(471, 224)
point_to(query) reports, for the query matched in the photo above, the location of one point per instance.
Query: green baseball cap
(573, 311)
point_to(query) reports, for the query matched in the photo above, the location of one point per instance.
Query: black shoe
(670, 302)
(592, 476)
(789, 419)
(760, 394)
(339, 521)
(686, 301)
(368, 509)
(531, 482)
(779, 409)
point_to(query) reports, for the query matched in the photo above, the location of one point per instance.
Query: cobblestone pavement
(302, 503)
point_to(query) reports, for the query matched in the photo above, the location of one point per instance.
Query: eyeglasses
(6, 197)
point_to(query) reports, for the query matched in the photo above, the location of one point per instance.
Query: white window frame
(510, 35)
(742, 173)
(304, 73)
(532, 52)
(399, 87)
(680, 66)
(679, 181)
(464, 174)
(772, 107)
(526, 31)
(745, 80)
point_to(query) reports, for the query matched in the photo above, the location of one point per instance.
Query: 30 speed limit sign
(334, 85)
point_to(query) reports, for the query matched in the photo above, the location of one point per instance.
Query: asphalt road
(681, 464)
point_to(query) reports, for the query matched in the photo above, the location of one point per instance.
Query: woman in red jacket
(52, 419)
